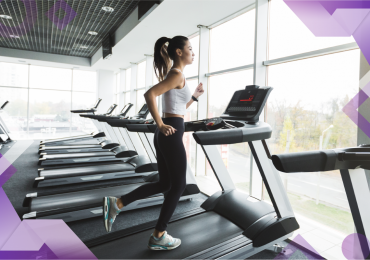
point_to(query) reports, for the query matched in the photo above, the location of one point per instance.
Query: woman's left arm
(197, 93)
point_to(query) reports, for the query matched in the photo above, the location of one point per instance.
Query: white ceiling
(170, 18)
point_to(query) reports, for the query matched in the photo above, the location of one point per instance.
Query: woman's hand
(167, 130)
(198, 91)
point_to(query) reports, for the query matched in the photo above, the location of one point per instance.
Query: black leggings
(171, 159)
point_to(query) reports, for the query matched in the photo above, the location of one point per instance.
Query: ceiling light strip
(123, 14)
(81, 26)
(72, 32)
(87, 36)
(78, 51)
(19, 42)
(7, 27)
(61, 41)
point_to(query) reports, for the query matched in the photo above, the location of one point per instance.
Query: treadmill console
(144, 109)
(97, 103)
(125, 109)
(111, 109)
(143, 112)
(4, 105)
(247, 104)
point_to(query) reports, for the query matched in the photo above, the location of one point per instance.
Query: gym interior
(277, 147)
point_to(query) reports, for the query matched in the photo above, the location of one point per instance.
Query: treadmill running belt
(197, 233)
(77, 155)
(88, 170)
(80, 198)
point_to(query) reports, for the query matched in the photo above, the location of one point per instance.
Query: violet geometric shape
(350, 19)
(351, 110)
(6, 170)
(290, 249)
(9, 219)
(331, 6)
(356, 246)
(61, 23)
(27, 24)
(44, 253)
(54, 233)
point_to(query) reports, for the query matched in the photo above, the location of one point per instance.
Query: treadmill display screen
(246, 101)
(144, 109)
(112, 107)
(96, 103)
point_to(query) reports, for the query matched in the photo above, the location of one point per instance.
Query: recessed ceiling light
(76, 68)
(107, 9)
(84, 47)
(4, 16)
(92, 33)
(14, 36)
(21, 60)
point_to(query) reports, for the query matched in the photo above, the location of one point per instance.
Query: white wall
(106, 84)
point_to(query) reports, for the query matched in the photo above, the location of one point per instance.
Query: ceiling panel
(60, 26)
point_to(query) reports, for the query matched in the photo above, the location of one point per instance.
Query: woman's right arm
(174, 79)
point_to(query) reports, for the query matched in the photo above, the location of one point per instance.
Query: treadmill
(85, 148)
(78, 203)
(72, 139)
(229, 224)
(143, 166)
(114, 154)
(352, 163)
(4, 131)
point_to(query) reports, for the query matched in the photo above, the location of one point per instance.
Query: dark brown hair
(163, 54)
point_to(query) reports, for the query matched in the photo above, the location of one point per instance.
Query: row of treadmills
(4, 131)
(229, 224)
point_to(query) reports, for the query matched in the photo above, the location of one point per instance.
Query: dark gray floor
(21, 183)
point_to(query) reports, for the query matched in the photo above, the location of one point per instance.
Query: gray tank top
(174, 101)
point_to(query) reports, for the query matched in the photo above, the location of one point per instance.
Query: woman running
(171, 155)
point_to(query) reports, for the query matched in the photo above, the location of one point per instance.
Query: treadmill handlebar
(324, 160)
(4, 105)
(141, 128)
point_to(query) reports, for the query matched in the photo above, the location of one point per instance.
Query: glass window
(290, 36)
(50, 78)
(236, 157)
(81, 125)
(140, 100)
(127, 98)
(13, 75)
(84, 80)
(49, 113)
(128, 79)
(191, 115)
(192, 70)
(232, 43)
(15, 113)
(118, 82)
(141, 75)
(308, 99)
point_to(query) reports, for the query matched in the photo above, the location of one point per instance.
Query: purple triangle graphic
(290, 249)
(43, 253)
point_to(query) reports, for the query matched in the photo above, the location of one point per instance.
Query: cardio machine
(75, 203)
(79, 138)
(352, 163)
(85, 148)
(144, 166)
(4, 131)
(230, 223)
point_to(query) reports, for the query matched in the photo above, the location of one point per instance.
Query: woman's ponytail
(162, 61)
(163, 54)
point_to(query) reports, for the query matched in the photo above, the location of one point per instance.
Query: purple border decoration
(335, 18)
(34, 239)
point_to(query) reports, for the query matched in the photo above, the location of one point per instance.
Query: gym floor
(21, 183)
